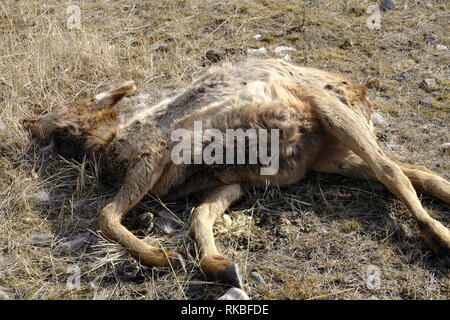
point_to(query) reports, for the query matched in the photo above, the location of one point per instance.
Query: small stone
(427, 100)
(76, 244)
(388, 4)
(3, 293)
(234, 294)
(41, 196)
(257, 277)
(281, 49)
(41, 238)
(160, 45)
(286, 58)
(427, 83)
(430, 38)
(404, 76)
(257, 51)
(377, 118)
(445, 147)
(441, 47)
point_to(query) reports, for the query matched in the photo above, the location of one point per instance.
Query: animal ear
(112, 96)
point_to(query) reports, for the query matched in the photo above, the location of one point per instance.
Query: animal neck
(102, 131)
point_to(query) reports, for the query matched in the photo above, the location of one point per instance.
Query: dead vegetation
(314, 240)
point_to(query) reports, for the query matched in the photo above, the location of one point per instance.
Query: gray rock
(377, 118)
(445, 147)
(441, 47)
(234, 294)
(427, 100)
(404, 76)
(429, 82)
(257, 277)
(4, 293)
(430, 38)
(76, 244)
(41, 239)
(388, 4)
(161, 45)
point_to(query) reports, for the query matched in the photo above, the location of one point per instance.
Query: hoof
(221, 269)
(438, 238)
(232, 276)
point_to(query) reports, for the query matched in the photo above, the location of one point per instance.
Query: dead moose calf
(321, 120)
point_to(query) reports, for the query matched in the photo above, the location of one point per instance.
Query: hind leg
(203, 218)
(352, 130)
(345, 162)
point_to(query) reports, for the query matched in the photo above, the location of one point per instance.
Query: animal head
(72, 121)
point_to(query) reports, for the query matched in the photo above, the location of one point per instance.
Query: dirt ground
(325, 238)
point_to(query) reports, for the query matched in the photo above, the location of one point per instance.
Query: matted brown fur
(325, 126)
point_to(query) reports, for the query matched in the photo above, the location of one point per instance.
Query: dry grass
(311, 240)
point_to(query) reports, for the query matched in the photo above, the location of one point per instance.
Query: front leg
(203, 218)
(136, 184)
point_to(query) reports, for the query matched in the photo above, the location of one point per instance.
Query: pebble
(160, 45)
(388, 4)
(427, 83)
(441, 47)
(286, 57)
(41, 196)
(76, 244)
(257, 277)
(41, 238)
(430, 38)
(3, 293)
(377, 118)
(404, 76)
(427, 100)
(445, 147)
(234, 294)
(281, 49)
(258, 51)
